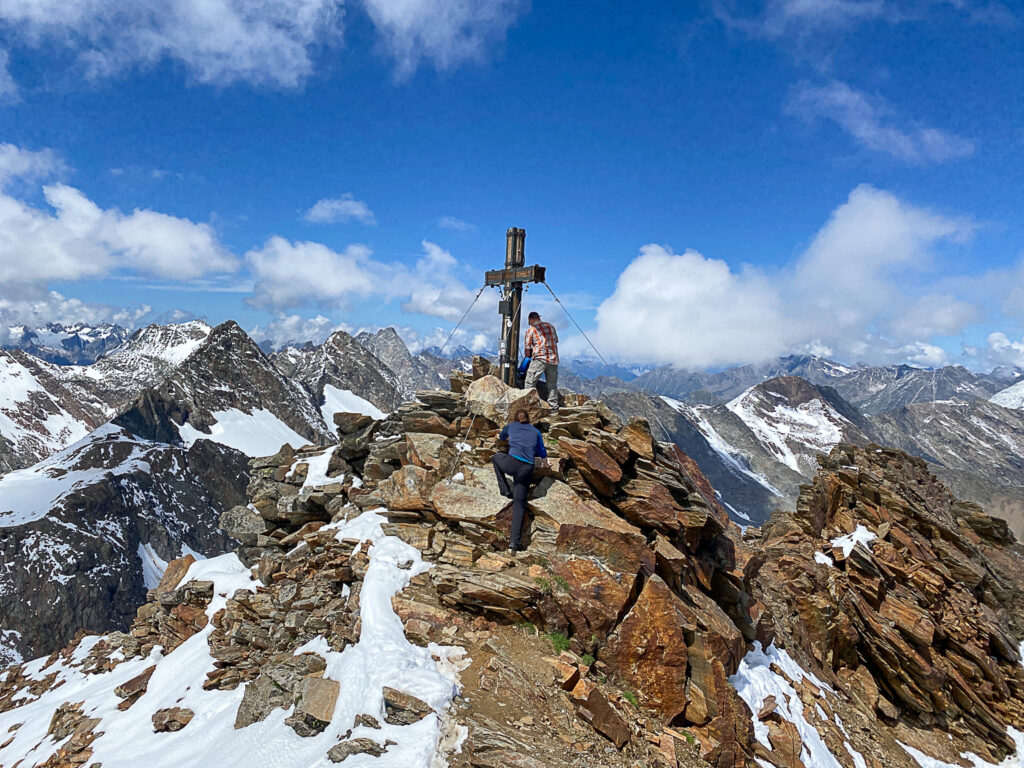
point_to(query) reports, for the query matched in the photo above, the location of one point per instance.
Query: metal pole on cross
(510, 280)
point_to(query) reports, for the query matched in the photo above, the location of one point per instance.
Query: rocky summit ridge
(373, 616)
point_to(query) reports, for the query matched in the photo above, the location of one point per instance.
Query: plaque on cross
(511, 280)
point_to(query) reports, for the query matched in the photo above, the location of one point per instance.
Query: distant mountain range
(119, 457)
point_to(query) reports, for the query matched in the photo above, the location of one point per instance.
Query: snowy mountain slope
(737, 443)
(748, 497)
(1011, 397)
(146, 359)
(45, 407)
(83, 531)
(228, 391)
(982, 437)
(796, 420)
(733, 381)
(76, 344)
(413, 371)
(879, 389)
(38, 415)
(344, 364)
(126, 737)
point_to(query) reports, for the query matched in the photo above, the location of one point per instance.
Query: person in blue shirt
(524, 445)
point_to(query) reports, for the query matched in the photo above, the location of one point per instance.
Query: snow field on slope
(383, 656)
(260, 433)
(17, 385)
(755, 681)
(810, 424)
(718, 443)
(1011, 397)
(344, 401)
(29, 494)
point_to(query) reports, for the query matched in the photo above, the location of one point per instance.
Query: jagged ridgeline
(371, 615)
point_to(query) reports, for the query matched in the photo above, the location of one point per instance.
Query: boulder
(245, 524)
(573, 525)
(344, 749)
(171, 719)
(594, 707)
(496, 401)
(637, 434)
(649, 503)
(174, 573)
(409, 488)
(597, 467)
(468, 504)
(424, 449)
(315, 699)
(402, 708)
(594, 597)
(350, 423)
(649, 649)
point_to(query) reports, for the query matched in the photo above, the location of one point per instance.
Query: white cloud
(294, 329)
(340, 209)
(847, 293)
(18, 163)
(456, 224)
(444, 32)
(871, 122)
(1002, 350)
(54, 307)
(291, 274)
(262, 42)
(76, 239)
(265, 42)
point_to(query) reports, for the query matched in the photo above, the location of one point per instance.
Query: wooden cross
(511, 280)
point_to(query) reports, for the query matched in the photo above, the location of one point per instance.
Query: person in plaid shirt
(542, 348)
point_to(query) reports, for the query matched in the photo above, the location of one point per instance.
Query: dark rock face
(229, 371)
(341, 362)
(79, 565)
(875, 390)
(412, 371)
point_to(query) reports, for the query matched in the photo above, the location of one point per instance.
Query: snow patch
(260, 433)
(860, 536)
(153, 566)
(821, 557)
(1011, 397)
(345, 401)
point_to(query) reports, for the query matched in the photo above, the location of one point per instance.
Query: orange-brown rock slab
(594, 597)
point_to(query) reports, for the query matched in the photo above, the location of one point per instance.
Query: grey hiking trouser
(521, 474)
(550, 371)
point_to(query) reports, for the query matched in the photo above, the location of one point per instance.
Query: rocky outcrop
(80, 556)
(903, 596)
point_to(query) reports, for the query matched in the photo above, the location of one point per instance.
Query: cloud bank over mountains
(865, 288)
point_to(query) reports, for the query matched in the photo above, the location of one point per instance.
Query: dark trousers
(521, 473)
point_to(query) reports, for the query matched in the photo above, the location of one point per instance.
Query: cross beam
(511, 280)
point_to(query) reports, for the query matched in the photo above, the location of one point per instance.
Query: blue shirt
(524, 441)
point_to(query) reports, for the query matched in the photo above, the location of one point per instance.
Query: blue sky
(707, 183)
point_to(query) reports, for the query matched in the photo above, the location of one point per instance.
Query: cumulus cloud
(262, 42)
(78, 239)
(54, 307)
(340, 209)
(872, 123)
(839, 296)
(444, 32)
(28, 165)
(1001, 350)
(293, 329)
(266, 42)
(291, 274)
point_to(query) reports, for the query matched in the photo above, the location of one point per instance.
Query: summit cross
(511, 280)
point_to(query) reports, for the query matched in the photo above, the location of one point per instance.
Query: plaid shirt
(542, 343)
